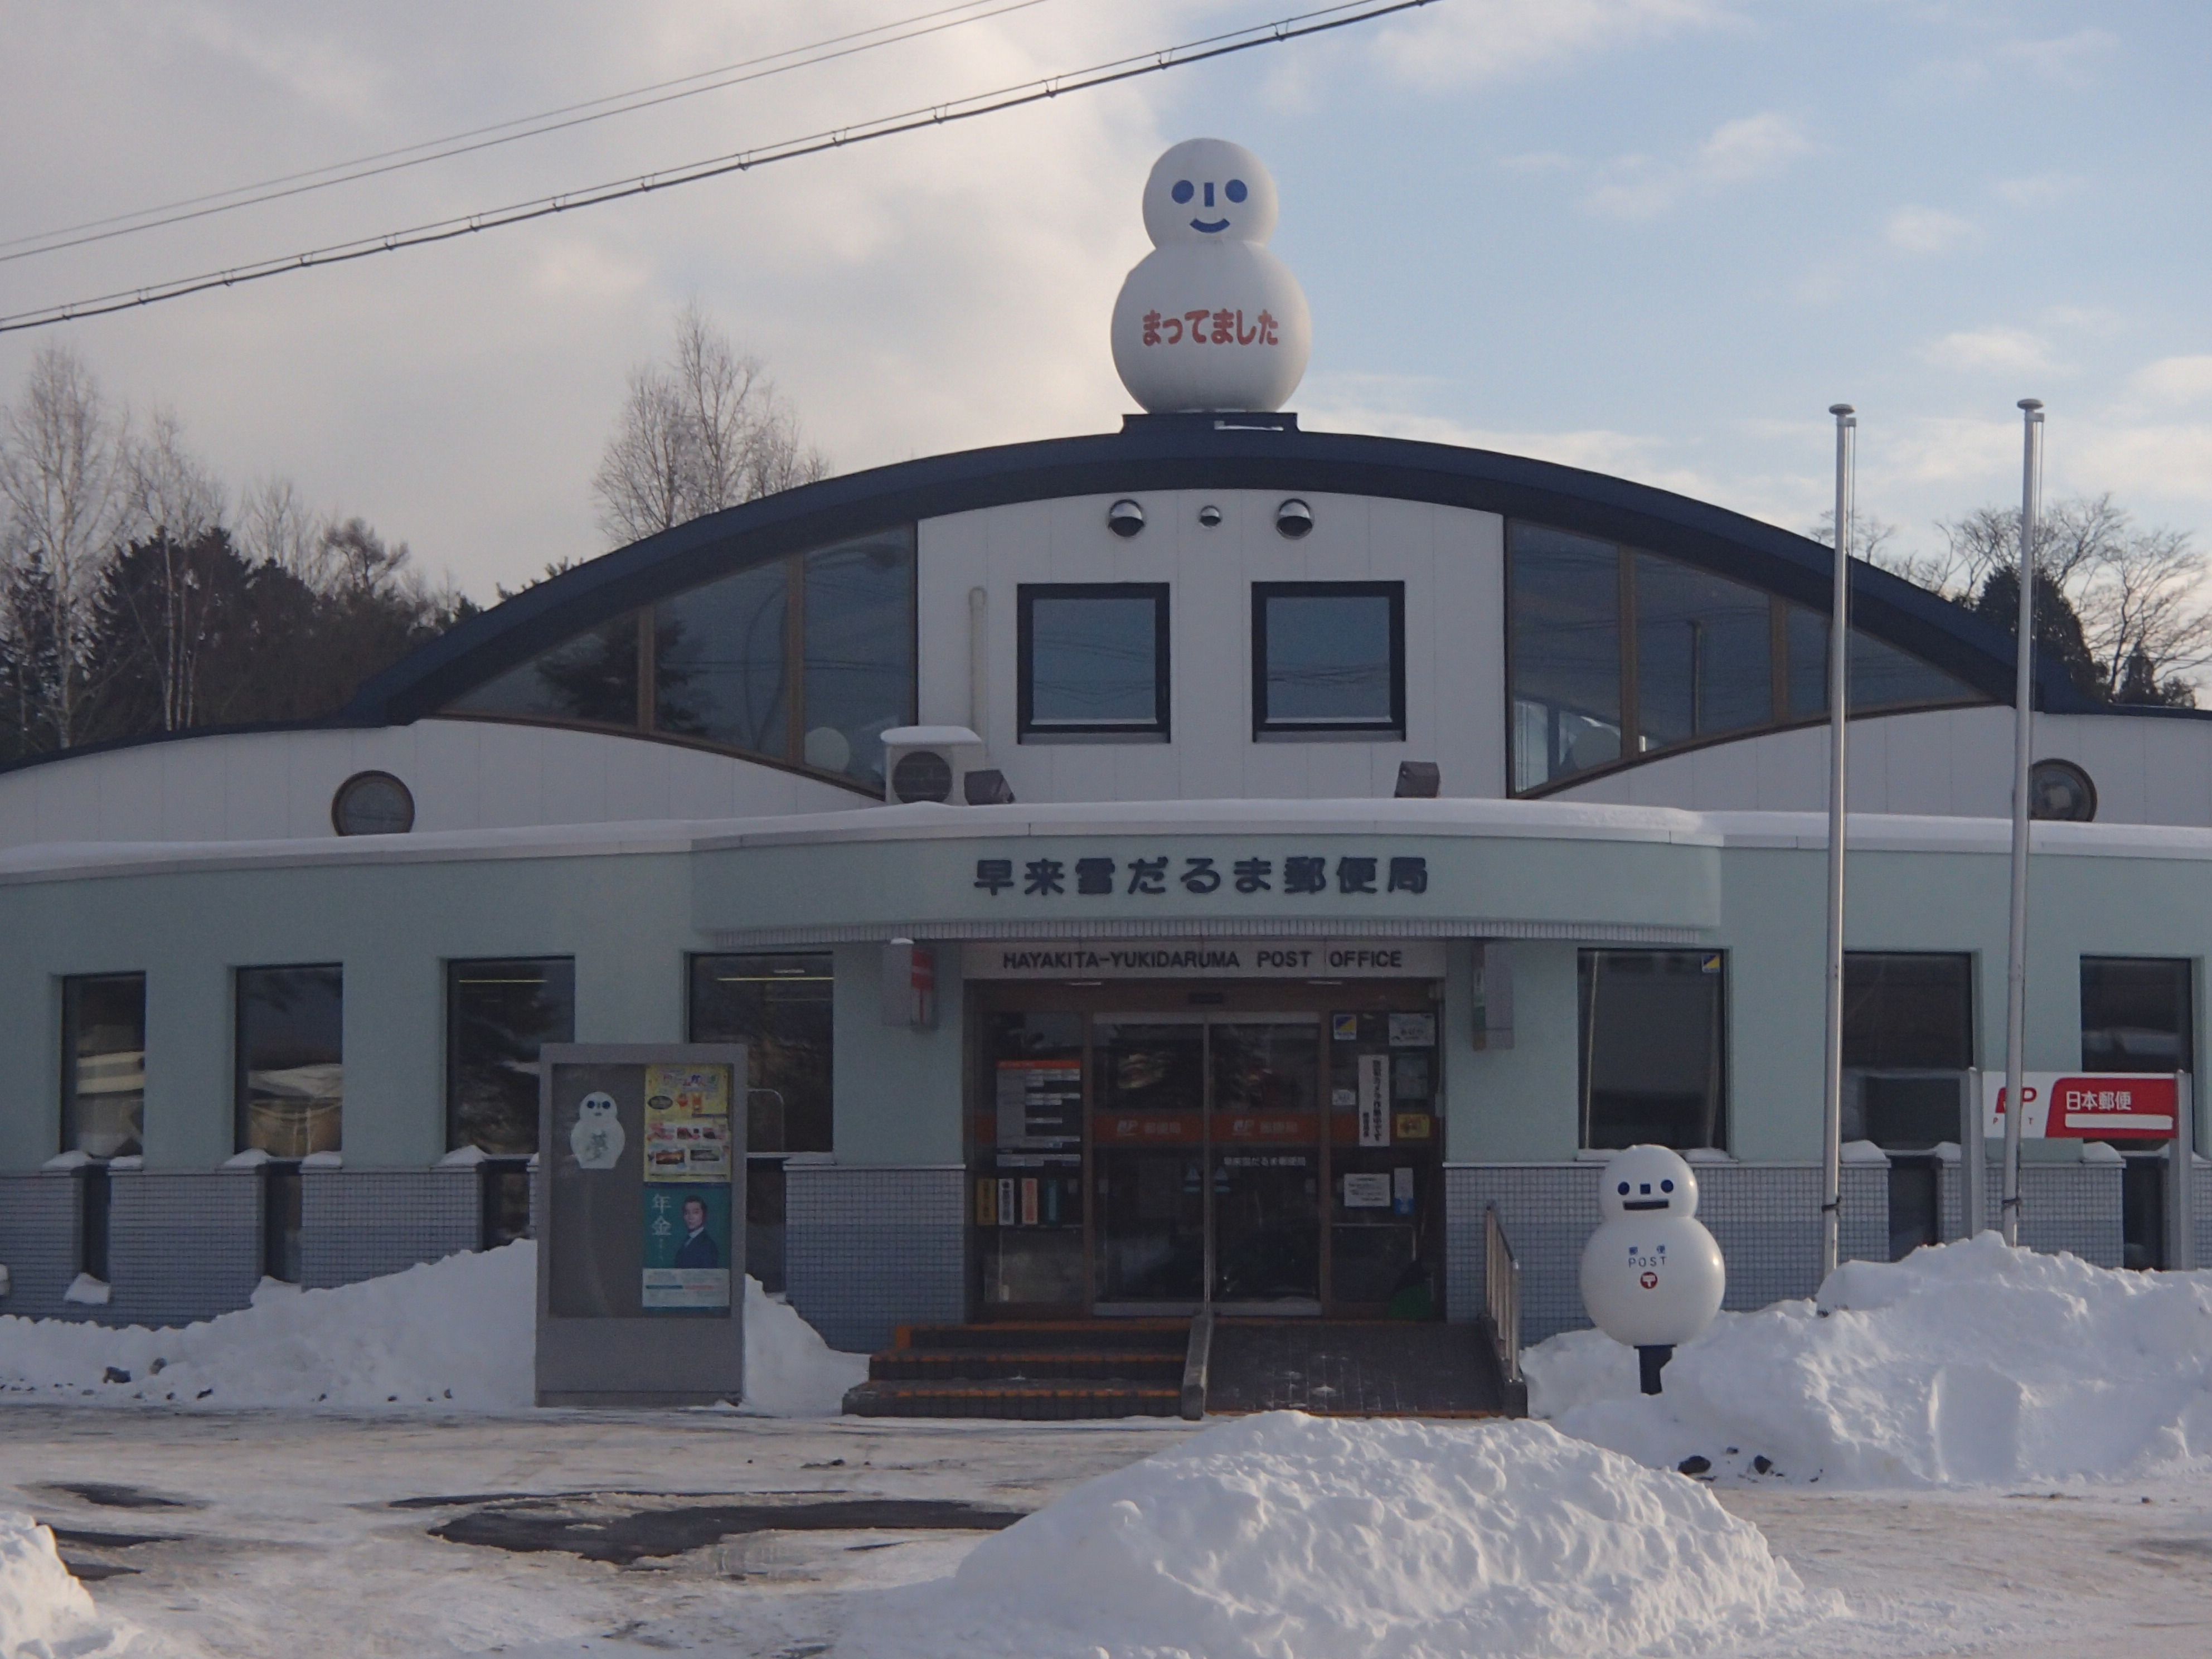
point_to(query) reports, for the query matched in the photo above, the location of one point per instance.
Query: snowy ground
(283, 1542)
(1976, 1450)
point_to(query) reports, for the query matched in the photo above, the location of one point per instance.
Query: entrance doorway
(1156, 1150)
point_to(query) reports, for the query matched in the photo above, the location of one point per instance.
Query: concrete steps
(1055, 1371)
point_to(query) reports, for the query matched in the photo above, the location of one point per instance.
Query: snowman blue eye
(1182, 191)
(1624, 1189)
(1234, 190)
(1666, 1186)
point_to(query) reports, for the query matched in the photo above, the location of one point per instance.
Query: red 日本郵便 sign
(2087, 1106)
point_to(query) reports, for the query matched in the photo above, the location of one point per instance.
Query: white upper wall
(463, 774)
(1950, 763)
(1451, 560)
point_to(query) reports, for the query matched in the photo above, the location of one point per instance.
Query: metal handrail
(1501, 1295)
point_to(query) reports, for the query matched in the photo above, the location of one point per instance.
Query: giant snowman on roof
(1211, 320)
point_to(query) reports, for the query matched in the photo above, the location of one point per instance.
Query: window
(104, 1065)
(1617, 653)
(805, 660)
(1094, 660)
(2138, 1014)
(718, 661)
(1908, 1039)
(1703, 653)
(858, 627)
(290, 1059)
(1882, 676)
(590, 681)
(780, 1007)
(498, 1015)
(1652, 1049)
(1328, 659)
(1565, 645)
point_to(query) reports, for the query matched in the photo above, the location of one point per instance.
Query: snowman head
(596, 1108)
(1209, 189)
(1647, 1181)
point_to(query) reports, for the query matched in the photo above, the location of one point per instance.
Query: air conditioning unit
(939, 764)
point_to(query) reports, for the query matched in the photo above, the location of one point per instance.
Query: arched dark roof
(1154, 453)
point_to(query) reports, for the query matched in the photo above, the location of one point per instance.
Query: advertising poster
(686, 1214)
(687, 1123)
(687, 1247)
(1374, 1100)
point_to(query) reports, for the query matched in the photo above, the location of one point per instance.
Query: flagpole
(1831, 1066)
(2023, 696)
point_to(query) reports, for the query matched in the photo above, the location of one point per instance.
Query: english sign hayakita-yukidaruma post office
(1207, 862)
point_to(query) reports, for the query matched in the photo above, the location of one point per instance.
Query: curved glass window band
(805, 661)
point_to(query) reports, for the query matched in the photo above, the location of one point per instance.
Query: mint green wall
(629, 919)
(898, 1089)
(1513, 1105)
(392, 926)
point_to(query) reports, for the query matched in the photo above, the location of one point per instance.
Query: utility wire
(465, 143)
(1297, 27)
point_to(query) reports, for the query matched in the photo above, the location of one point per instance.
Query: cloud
(1991, 347)
(2175, 379)
(2073, 60)
(1736, 152)
(1474, 41)
(1928, 230)
(2153, 460)
(2041, 189)
(928, 293)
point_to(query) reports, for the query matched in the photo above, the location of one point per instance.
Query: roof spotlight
(1294, 519)
(1125, 519)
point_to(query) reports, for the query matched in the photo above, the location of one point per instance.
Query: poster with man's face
(687, 1247)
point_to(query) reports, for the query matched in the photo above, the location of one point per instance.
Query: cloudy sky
(1654, 237)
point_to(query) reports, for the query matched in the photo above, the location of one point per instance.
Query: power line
(369, 166)
(1297, 27)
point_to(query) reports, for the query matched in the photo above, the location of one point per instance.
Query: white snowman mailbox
(1210, 320)
(1652, 1276)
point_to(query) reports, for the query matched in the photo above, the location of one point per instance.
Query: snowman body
(1652, 1276)
(1210, 319)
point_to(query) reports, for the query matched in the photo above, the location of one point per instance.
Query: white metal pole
(2023, 710)
(1831, 1060)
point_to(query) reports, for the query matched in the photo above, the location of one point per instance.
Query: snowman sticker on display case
(1652, 1275)
(1210, 319)
(598, 1138)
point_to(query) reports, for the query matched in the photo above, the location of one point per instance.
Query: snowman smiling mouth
(1218, 225)
(1647, 1204)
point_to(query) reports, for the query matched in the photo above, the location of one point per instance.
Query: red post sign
(2088, 1106)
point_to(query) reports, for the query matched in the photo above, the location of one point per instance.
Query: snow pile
(1284, 1534)
(1965, 1364)
(459, 1334)
(790, 1371)
(44, 1614)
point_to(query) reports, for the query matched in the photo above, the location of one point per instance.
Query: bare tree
(2145, 624)
(274, 527)
(1875, 540)
(66, 481)
(171, 493)
(705, 430)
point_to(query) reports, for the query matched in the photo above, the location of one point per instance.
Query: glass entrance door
(1265, 1155)
(1206, 1149)
(1148, 1152)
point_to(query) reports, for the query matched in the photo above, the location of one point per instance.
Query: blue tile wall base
(868, 1247)
(2073, 1208)
(181, 1246)
(1766, 1218)
(364, 1223)
(38, 1243)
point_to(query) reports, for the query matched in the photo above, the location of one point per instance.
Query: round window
(372, 804)
(922, 774)
(2060, 791)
